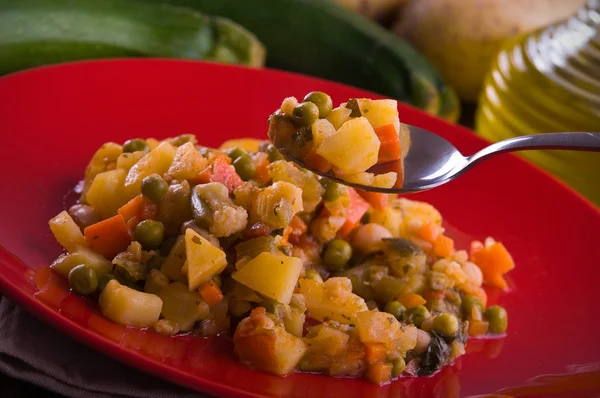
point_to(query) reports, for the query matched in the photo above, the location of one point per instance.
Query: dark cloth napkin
(35, 353)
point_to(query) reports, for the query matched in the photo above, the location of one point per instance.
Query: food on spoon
(306, 274)
(356, 141)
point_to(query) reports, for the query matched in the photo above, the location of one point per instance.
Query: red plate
(53, 119)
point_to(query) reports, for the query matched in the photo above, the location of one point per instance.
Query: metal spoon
(432, 160)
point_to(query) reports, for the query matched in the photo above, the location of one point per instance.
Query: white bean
(368, 238)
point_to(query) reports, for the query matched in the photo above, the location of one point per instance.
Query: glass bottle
(549, 81)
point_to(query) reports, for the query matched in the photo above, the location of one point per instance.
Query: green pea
(417, 315)
(305, 114)
(497, 318)
(469, 302)
(337, 254)
(236, 152)
(155, 262)
(218, 281)
(154, 187)
(398, 367)
(445, 324)
(314, 275)
(395, 308)
(103, 281)
(333, 191)
(322, 101)
(273, 153)
(150, 234)
(83, 279)
(244, 167)
(134, 145)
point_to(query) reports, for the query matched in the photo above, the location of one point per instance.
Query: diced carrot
(202, 178)
(380, 373)
(108, 237)
(138, 208)
(225, 174)
(478, 328)
(493, 260)
(396, 166)
(410, 300)
(296, 227)
(389, 147)
(317, 162)
(358, 208)
(148, 211)
(262, 171)
(429, 232)
(432, 295)
(443, 246)
(376, 199)
(211, 292)
(131, 208)
(375, 353)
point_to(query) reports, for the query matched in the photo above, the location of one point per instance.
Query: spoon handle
(567, 141)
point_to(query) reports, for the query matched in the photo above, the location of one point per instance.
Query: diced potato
(204, 260)
(65, 263)
(67, 232)
(127, 160)
(405, 140)
(339, 116)
(322, 129)
(288, 105)
(152, 143)
(389, 218)
(247, 144)
(354, 148)
(312, 190)
(380, 112)
(414, 211)
(377, 327)
(273, 276)
(156, 161)
(329, 341)
(386, 180)
(175, 260)
(129, 307)
(360, 178)
(262, 344)
(106, 192)
(332, 299)
(187, 163)
(106, 154)
(277, 204)
(181, 306)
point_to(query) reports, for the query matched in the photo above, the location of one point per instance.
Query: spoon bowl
(432, 160)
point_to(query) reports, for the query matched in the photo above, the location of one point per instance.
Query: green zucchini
(41, 32)
(320, 38)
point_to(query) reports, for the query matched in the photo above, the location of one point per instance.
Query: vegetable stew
(303, 273)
